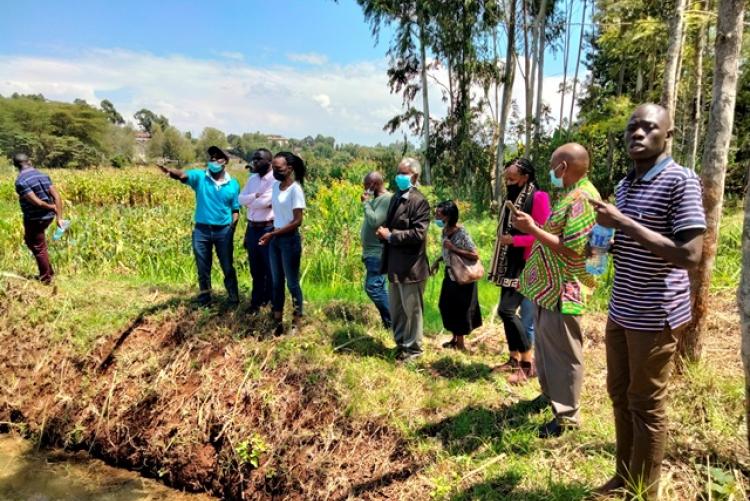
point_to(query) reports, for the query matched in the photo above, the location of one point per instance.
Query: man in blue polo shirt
(217, 210)
(659, 222)
(40, 205)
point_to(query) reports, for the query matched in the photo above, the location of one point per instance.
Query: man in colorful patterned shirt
(659, 222)
(556, 281)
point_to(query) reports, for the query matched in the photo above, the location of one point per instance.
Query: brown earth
(167, 400)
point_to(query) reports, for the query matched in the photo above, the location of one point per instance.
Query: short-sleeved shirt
(554, 281)
(650, 292)
(284, 202)
(31, 180)
(214, 200)
(463, 241)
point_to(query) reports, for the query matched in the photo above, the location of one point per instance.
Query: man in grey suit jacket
(404, 235)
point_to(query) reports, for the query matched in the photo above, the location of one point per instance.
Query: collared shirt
(650, 292)
(31, 180)
(215, 200)
(554, 281)
(256, 196)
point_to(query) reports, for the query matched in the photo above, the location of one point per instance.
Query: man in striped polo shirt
(40, 204)
(555, 280)
(659, 222)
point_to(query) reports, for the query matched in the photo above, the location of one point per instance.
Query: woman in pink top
(512, 249)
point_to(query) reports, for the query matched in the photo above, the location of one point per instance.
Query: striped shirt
(555, 281)
(650, 292)
(31, 180)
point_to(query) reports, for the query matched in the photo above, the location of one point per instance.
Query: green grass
(121, 258)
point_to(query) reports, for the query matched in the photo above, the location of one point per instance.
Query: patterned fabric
(554, 281)
(650, 293)
(463, 241)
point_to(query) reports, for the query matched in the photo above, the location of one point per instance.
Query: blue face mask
(440, 223)
(557, 182)
(403, 181)
(215, 167)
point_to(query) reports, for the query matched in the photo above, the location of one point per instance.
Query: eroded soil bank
(175, 396)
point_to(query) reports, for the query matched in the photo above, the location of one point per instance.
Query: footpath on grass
(204, 400)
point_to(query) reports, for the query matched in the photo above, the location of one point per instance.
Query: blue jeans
(260, 265)
(285, 252)
(376, 290)
(206, 236)
(527, 318)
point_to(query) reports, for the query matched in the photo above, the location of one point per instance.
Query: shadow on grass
(505, 487)
(218, 312)
(507, 429)
(354, 339)
(454, 369)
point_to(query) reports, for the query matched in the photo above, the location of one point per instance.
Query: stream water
(30, 475)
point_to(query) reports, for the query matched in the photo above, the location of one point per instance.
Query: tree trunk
(569, 17)
(578, 64)
(743, 298)
(715, 154)
(674, 52)
(510, 73)
(528, 76)
(697, 102)
(540, 85)
(425, 104)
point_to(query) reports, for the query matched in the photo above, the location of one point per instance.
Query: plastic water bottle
(599, 240)
(64, 225)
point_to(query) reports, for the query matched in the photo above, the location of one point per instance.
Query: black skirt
(459, 306)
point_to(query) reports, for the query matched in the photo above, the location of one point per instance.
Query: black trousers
(515, 333)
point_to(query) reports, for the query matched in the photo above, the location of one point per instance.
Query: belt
(212, 226)
(260, 224)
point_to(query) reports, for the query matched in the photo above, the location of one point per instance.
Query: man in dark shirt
(40, 204)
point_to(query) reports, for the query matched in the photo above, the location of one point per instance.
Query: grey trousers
(406, 314)
(559, 362)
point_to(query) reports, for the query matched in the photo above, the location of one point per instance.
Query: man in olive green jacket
(375, 202)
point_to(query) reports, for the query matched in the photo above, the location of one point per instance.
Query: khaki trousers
(406, 314)
(559, 362)
(639, 364)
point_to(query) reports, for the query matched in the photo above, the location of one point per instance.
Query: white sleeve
(298, 202)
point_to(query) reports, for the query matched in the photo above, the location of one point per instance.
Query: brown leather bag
(464, 270)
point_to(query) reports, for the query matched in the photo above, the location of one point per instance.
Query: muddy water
(28, 475)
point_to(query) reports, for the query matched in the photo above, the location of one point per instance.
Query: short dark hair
(449, 210)
(19, 159)
(524, 165)
(265, 152)
(296, 163)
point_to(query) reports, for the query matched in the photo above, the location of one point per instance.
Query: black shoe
(538, 404)
(551, 429)
(279, 329)
(408, 356)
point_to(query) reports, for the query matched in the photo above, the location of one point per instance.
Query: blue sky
(293, 67)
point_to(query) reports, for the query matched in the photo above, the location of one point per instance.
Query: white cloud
(237, 56)
(309, 58)
(232, 95)
(323, 100)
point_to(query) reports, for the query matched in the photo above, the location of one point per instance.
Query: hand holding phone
(511, 207)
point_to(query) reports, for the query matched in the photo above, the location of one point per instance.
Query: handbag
(464, 270)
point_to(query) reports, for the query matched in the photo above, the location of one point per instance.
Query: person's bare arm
(173, 173)
(289, 228)
(31, 197)
(526, 224)
(58, 204)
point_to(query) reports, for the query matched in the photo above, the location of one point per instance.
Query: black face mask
(513, 191)
(279, 176)
(262, 168)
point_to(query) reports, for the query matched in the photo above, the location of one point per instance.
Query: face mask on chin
(262, 169)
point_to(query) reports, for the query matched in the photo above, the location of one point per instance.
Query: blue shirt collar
(656, 169)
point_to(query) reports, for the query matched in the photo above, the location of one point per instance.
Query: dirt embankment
(177, 396)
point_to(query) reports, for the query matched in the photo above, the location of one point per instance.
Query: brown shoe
(522, 374)
(510, 366)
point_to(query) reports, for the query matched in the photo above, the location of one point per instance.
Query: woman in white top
(285, 244)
